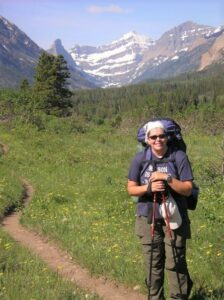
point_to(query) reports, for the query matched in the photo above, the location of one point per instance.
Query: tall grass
(81, 200)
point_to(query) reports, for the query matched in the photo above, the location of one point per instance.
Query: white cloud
(115, 9)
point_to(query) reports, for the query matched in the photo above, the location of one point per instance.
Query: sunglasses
(160, 136)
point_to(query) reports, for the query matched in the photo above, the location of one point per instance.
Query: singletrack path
(60, 261)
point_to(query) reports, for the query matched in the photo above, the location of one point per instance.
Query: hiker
(162, 179)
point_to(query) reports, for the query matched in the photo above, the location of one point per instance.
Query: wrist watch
(169, 178)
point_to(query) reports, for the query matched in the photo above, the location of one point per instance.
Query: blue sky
(96, 23)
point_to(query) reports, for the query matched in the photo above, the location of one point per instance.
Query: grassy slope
(81, 200)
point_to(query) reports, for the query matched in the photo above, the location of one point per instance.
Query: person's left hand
(155, 176)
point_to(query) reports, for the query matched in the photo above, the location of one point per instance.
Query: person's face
(157, 139)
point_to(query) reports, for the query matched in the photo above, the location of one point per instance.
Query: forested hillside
(193, 98)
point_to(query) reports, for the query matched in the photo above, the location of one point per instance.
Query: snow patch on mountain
(100, 56)
(114, 63)
(218, 29)
(175, 57)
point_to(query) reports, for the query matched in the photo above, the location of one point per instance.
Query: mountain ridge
(132, 58)
(132, 61)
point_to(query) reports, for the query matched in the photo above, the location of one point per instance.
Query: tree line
(193, 95)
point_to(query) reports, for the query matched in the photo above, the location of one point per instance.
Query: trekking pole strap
(167, 217)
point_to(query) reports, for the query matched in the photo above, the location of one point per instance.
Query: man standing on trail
(162, 210)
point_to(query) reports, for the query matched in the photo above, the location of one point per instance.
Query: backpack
(173, 131)
(175, 140)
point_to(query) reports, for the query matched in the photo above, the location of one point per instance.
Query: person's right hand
(158, 186)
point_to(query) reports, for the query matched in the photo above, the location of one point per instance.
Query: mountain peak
(191, 26)
(58, 49)
(5, 21)
(130, 34)
(58, 42)
(57, 46)
(115, 62)
(133, 35)
(188, 24)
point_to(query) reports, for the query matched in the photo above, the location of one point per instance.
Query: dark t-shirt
(140, 172)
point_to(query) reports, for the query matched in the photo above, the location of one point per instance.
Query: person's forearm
(181, 187)
(137, 190)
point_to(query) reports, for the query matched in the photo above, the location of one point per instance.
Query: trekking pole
(152, 240)
(172, 242)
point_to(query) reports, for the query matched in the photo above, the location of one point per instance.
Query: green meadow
(81, 202)
(24, 276)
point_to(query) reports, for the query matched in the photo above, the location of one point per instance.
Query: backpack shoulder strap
(174, 161)
(147, 160)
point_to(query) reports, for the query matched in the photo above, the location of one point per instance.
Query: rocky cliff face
(214, 54)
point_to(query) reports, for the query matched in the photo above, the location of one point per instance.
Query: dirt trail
(60, 261)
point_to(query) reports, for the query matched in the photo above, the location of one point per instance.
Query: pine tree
(25, 98)
(24, 85)
(61, 91)
(51, 91)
